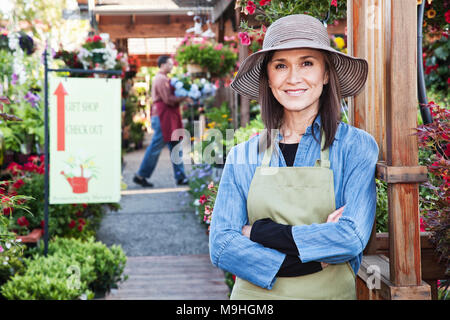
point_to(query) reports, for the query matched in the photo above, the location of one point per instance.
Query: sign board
(85, 140)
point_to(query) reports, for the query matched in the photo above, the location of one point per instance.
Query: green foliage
(437, 71)
(219, 60)
(382, 216)
(253, 128)
(73, 269)
(280, 8)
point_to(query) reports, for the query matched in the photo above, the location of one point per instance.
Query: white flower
(13, 41)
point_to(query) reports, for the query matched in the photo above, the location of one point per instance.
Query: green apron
(296, 196)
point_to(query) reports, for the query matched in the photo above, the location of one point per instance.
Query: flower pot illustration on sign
(78, 172)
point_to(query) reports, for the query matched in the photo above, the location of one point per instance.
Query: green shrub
(73, 269)
(108, 265)
(50, 278)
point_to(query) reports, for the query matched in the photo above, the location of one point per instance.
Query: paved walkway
(166, 246)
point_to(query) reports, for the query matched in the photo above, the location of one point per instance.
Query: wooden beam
(145, 30)
(413, 174)
(431, 268)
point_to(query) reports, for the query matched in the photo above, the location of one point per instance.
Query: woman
(275, 224)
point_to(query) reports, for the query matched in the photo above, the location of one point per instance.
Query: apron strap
(267, 156)
(324, 160)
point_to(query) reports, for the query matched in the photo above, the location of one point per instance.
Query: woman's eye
(280, 66)
(308, 63)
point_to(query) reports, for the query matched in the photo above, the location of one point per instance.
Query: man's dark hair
(162, 59)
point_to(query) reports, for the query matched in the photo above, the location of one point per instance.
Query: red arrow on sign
(60, 92)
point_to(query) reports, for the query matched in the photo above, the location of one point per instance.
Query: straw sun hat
(300, 31)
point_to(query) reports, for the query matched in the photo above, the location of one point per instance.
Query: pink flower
(211, 184)
(251, 7)
(264, 2)
(208, 210)
(334, 3)
(245, 39)
(1, 249)
(219, 46)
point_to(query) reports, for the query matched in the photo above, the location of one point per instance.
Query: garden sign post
(83, 139)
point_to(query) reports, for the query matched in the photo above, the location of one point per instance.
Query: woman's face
(297, 77)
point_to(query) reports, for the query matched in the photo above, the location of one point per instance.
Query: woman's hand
(246, 231)
(336, 215)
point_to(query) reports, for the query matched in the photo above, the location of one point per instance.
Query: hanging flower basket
(195, 68)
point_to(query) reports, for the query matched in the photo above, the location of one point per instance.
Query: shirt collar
(317, 123)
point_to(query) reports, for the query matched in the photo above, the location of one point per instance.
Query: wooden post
(387, 109)
(402, 146)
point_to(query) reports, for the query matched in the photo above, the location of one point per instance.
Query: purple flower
(32, 98)
(14, 79)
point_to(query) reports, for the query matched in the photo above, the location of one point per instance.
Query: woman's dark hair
(162, 59)
(329, 103)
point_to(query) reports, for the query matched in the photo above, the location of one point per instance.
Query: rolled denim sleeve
(340, 242)
(229, 249)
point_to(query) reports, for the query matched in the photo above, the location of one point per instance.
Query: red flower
(447, 16)
(251, 7)
(5, 199)
(14, 168)
(42, 224)
(264, 2)
(334, 3)
(78, 213)
(23, 222)
(89, 39)
(202, 199)
(7, 211)
(19, 183)
(80, 227)
(81, 221)
(97, 38)
(447, 150)
(33, 158)
(72, 224)
(422, 225)
(84, 205)
(245, 39)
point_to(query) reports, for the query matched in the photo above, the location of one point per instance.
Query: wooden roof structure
(152, 18)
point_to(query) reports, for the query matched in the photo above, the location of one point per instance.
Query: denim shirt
(353, 157)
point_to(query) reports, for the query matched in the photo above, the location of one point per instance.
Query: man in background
(165, 118)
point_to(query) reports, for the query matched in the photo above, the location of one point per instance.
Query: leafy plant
(435, 138)
(73, 269)
(437, 72)
(217, 58)
(268, 11)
